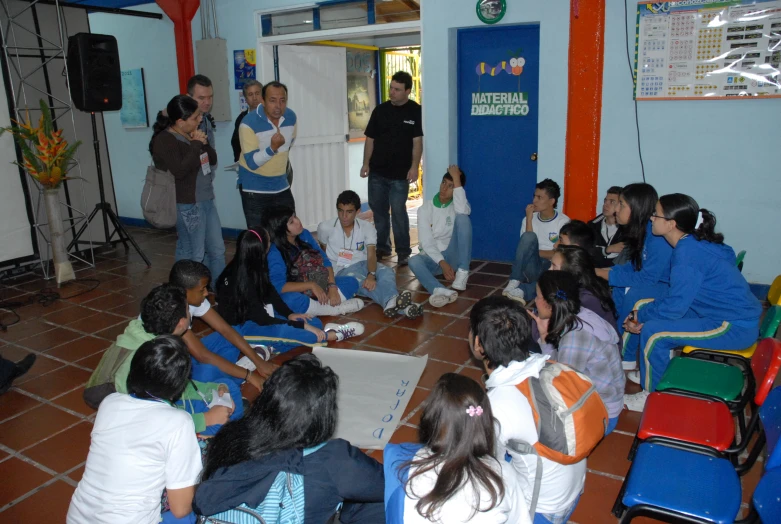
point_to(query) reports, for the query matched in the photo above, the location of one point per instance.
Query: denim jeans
(200, 235)
(255, 205)
(385, 194)
(386, 281)
(458, 254)
(528, 264)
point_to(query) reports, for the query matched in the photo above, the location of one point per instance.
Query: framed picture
(361, 90)
(133, 113)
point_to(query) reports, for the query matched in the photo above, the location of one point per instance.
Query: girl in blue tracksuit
(647, 274)
(295, 252)
(709, 303)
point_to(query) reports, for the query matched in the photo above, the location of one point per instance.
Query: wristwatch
(372, 274)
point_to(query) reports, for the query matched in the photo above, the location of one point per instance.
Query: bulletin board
(708, 49)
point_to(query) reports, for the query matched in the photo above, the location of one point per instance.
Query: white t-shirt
(436, 223)
(459, 508)
(547, 230)
(138, 448)
(354, 247)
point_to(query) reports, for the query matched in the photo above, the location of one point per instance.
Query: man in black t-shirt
(391, 159)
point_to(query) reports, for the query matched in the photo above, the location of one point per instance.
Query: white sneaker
(636, 402)
(462, 275)
(515, 294)
(634, 376)
(629, 365)
(343, 331)
(512, 284)
(413, 311)
(442, 297)
(350, 306)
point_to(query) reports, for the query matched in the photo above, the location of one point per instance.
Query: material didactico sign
(500, 104)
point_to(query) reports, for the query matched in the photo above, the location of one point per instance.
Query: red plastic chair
(707, 421)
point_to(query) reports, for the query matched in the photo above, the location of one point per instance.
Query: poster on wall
(361, 90)
(708, 49)
(133, 113)
(243, 67)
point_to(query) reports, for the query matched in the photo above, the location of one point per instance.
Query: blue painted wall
(719, 152)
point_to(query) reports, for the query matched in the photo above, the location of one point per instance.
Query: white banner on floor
(374, 389)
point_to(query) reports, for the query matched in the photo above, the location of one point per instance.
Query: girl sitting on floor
(709, 303)
(141, 444)
(454, 477)
(245, 296)
(594, 292)
(579, 338)
(647, 274)
(289, 429)
(302, 273)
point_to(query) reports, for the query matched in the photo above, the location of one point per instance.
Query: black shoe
(22, 367)
(403, 260)
(382, 254)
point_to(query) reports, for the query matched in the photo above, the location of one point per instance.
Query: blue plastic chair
(683, 482)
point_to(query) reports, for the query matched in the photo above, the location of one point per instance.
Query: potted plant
(47, 158)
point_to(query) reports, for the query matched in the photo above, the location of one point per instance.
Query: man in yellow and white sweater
(266, 136)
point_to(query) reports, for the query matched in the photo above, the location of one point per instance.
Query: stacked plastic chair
(705, 420)
(676, 481)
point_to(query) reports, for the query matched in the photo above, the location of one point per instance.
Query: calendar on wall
(694, 49)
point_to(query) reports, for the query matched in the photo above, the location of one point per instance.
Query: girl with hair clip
(454, 476)
(579, 338)
(290, 428)
(178, 146)
(142, 444)
(248, 301)
(709, 303)
(647, 274)
(301, 271)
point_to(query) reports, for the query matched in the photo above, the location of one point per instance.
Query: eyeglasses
(663, 218)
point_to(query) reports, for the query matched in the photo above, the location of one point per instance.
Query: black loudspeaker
(93, 72)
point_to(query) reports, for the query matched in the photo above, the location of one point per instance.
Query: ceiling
(115, 4)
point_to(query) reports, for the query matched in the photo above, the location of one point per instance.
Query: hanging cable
(634, 83)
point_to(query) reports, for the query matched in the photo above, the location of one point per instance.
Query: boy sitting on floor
(445, 234)
(209, 365)
(351, 246)
(539, 232)
(164, 311)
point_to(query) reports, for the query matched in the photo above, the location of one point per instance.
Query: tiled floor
(45, 426)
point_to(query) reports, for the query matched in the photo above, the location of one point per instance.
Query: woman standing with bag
(180, 148)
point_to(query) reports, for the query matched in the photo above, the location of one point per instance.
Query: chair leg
(618, 507)
(633, 449)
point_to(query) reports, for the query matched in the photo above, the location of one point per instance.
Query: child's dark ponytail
(707, 229)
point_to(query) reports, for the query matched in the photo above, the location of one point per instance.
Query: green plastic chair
(714, 379)
(739, 260)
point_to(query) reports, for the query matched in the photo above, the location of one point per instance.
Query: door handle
(534, 157)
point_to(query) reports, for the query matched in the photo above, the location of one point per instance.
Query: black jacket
(235, 143)
(338, 472)
(226, 293)
(600, 243)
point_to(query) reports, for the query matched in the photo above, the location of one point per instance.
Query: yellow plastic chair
(774, 295)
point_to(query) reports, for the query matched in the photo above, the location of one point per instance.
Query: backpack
(308, 266)
(569, 414)
(284, 503)
(158, 198)
(101, 382)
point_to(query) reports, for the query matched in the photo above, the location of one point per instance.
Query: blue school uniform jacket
(656, 264)
(277, 270)
(705, 283)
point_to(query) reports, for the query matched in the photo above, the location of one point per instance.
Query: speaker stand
(106, 210)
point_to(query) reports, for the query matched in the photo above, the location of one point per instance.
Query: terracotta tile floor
(44, 424)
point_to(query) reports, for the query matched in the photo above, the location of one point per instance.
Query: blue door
(498, 84)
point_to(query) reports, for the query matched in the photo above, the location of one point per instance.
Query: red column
(181, 12)
(584, 107)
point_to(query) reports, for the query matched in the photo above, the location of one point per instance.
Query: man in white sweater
(445, 234)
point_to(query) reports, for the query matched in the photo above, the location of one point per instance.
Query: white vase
(63, 269)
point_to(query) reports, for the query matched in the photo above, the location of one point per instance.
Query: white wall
(717, 151)
(440, 21)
